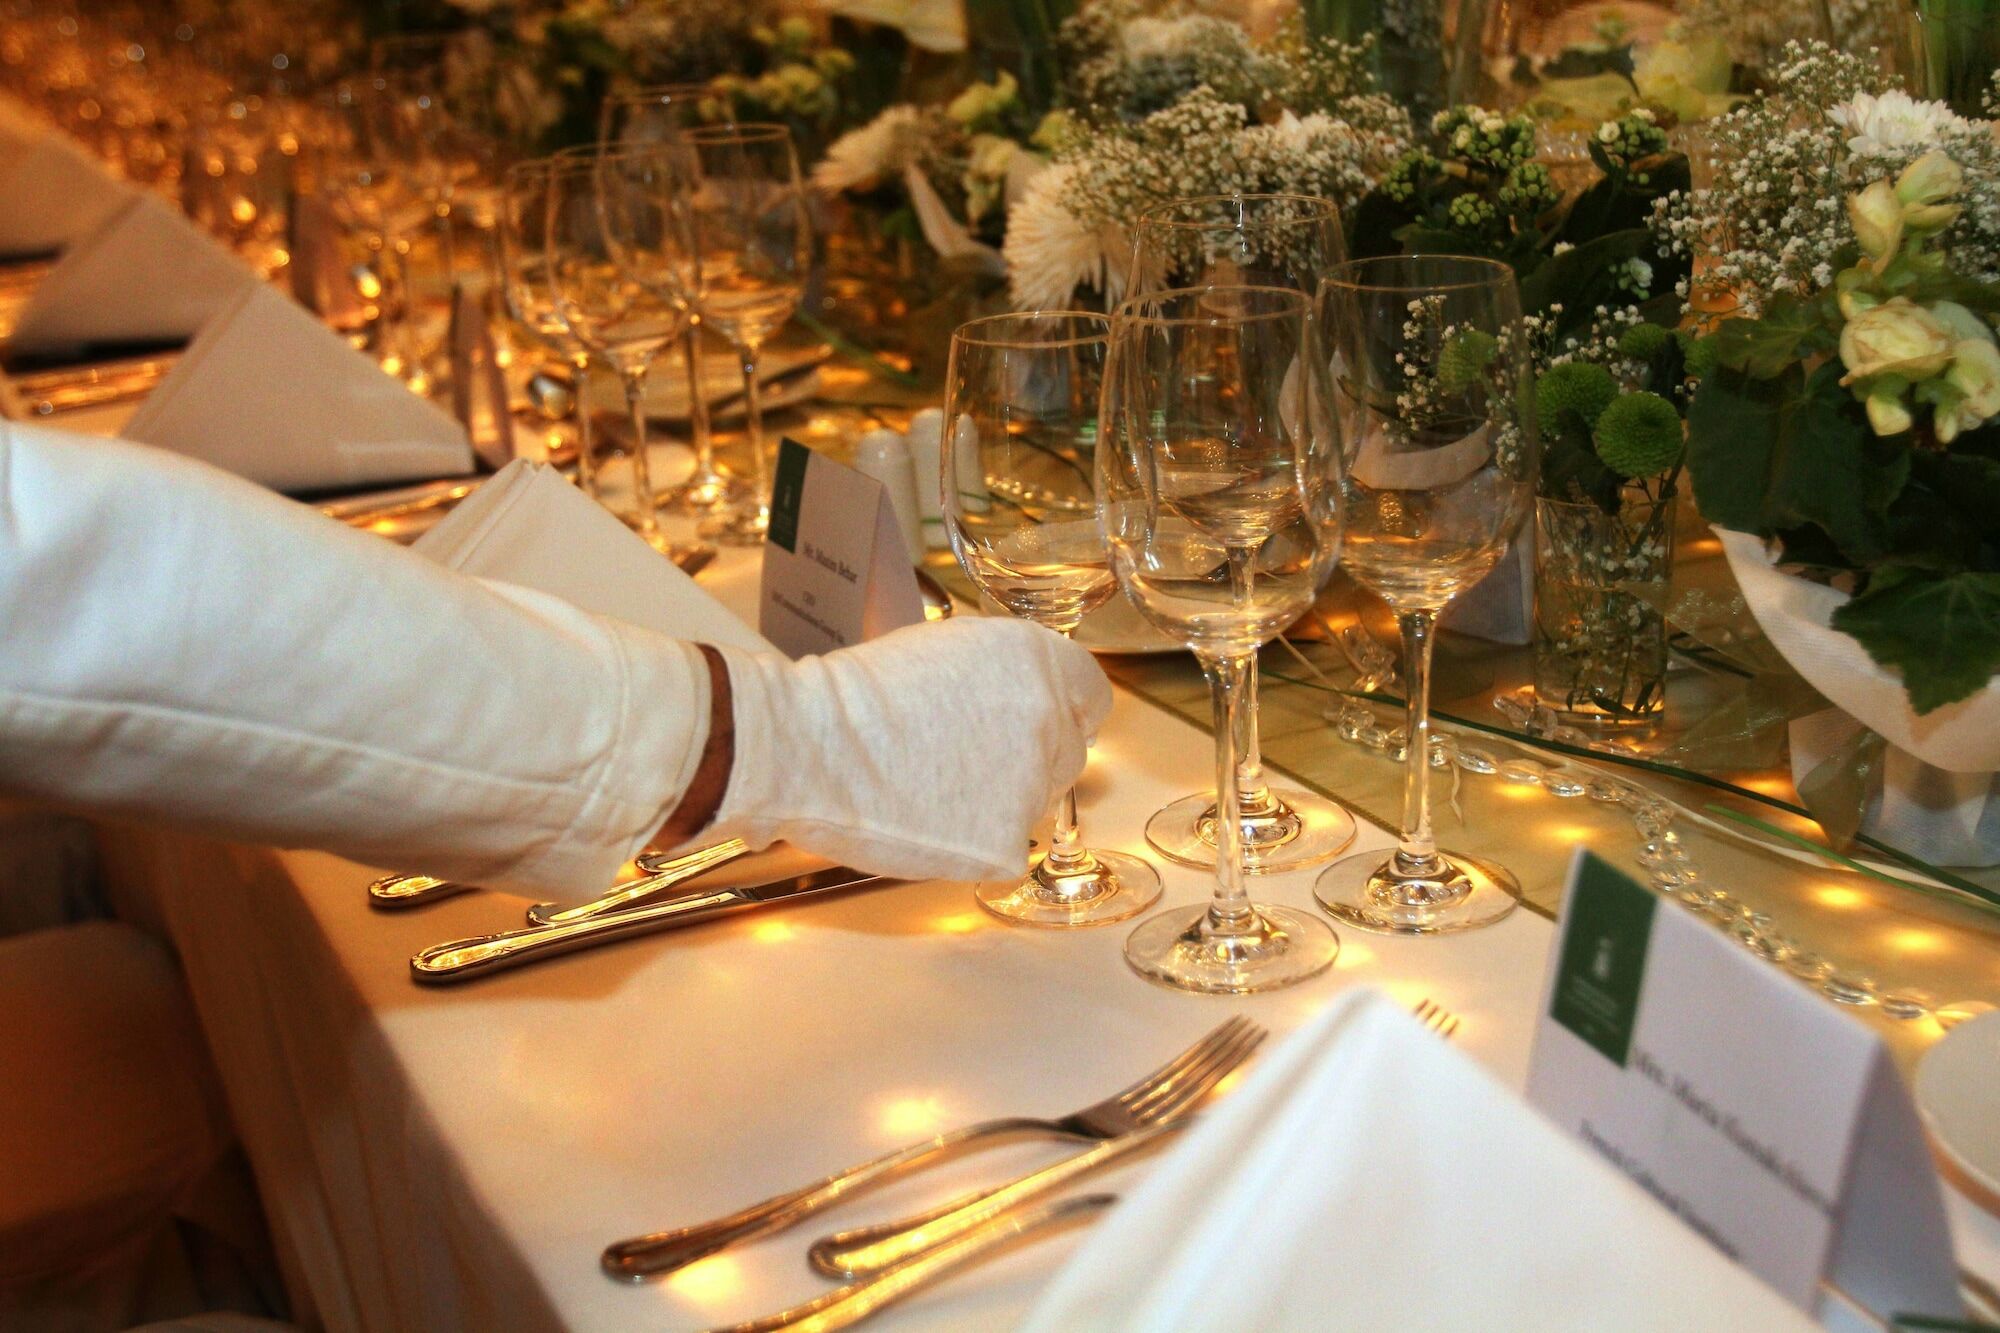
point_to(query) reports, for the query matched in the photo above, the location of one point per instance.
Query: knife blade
(483, 955)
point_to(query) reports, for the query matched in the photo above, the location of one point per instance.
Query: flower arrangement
(1772, 222)
(1163, 106)
(1854, 418)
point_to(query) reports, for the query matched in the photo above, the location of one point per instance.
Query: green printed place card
(836, 571)
(1602, 964)
(1767, 1120)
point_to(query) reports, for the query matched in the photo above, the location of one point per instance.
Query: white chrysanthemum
(879, 150)
(1158, 38)
(1887, 125)
(1049, 248)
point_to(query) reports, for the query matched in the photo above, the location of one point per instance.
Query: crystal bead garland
(1668, 864)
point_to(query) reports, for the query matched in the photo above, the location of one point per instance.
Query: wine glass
(528, 297)
(1434, 385)
(754, 239)
(658, 115)
(1219, 493)
(1020, 505)
(1265, 240)
(615, 241)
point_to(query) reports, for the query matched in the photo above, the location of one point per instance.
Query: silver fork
(874, 1249)
(1156, 1098)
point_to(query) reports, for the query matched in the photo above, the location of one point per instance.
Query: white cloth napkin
(1367, 1176)
(56, 193)
(529, 527)
(271, 394)
(146, 275)
(1947, 818)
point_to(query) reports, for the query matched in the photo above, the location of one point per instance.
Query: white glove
(930, 753)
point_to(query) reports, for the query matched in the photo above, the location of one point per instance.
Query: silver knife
(480, 955)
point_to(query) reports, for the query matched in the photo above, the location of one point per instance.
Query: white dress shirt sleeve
(178, 644)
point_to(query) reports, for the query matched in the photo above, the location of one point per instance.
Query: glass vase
(1601, 580)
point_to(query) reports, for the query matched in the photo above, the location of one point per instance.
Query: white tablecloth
(455, 1159)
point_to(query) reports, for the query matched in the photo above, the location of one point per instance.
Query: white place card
(1772, 1124)
(835, 569)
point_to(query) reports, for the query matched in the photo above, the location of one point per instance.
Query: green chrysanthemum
(1643, 342)
(1639, 435)
(1577, 385)
(1463, 359)
(1698, 355)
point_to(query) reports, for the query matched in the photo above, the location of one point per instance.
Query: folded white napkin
(1367, 1176)
(271, 394)
(56, 193)
(146, 275)
(528, 526)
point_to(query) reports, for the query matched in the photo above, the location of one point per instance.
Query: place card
(835, 569)
(1772, 1124)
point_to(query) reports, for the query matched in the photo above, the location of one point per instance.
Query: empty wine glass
(616, 243)
(754, 239)
(1219, 493)
(658, 115)
(1020, 505)
(529, 298)
(1264, 240)
(1433, 383)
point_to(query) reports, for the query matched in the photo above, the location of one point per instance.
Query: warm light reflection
(913, 1117)
(1840, 898)
(1353, 954)
(1770, 786)
(772, 932)
(959, 923)
(709, 1281)
(1519, 790)
(1572, 832)
(1915, 941)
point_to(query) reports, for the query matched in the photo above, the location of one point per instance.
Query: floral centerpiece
(1158, 106)
(1848, 430)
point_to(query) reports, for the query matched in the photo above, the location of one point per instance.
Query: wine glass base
(1181, 950)
(1305, 830)
(1113, 888)
(737, 527)
(699, 494)
(1360, 891)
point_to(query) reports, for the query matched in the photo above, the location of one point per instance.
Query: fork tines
(1191, 1073)
(1436, 1017)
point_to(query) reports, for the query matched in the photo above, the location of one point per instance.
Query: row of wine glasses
(615, 251)
(1210, 449)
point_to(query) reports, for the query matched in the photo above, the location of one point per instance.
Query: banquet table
(456, 1158)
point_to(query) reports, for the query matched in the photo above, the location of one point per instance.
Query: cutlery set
(886, 1261)
(640, 906)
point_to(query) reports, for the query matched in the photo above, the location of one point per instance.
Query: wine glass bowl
(1218, 492)
(1022, 394)
(1434, 388)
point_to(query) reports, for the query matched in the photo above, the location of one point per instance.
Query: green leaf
(1571, 469)
(1767, 455)
(1942, 632)
(1789, 330)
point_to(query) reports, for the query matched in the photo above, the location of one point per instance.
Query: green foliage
(1643, 342)
(1463, 359)
(1941, 632)
(1769, 455)
(1791, 328)
(1571, 468)
(1639, 435)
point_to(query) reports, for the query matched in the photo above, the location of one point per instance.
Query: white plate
(1957, 1091)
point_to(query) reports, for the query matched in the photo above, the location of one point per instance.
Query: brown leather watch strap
(710, 782)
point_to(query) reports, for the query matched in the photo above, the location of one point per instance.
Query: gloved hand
(929, 753)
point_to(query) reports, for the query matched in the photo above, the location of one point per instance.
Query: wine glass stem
(1417, 852)
(704, 443)
(586, 442)
(753, 422)
(1067, 854)
(1252, 794)
(642, 477)
(1230, 912)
